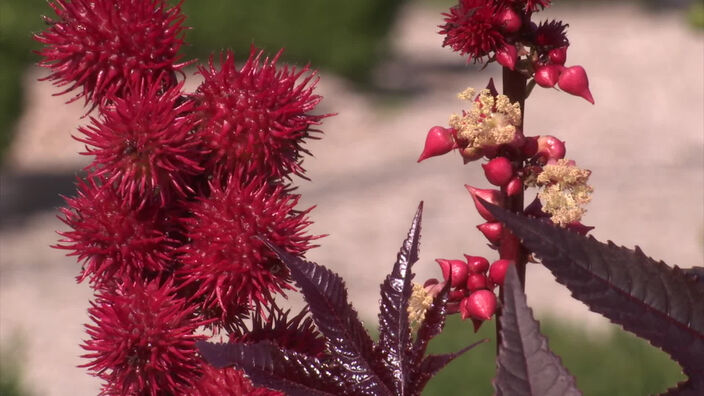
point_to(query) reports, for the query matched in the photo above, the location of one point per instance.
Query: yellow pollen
(418, 304)
(565, 191)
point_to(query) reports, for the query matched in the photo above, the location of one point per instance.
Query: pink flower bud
(492, 196)
(498, 171)
(558, 56)
(480, 305)
(438, 142)
(476, 264)
(573, 80)
(551, 148)
(497, 272)
(507, 56)
(514, 186)
(510, 246)
(546, 76)
(492, 231)
(509, 20)
(458, 268)
(477, 282)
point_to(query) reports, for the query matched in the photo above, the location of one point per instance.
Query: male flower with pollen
(224, 260)
(257, 115)
(492, 121)
(142, 341)
(98, 46)
(565, 191)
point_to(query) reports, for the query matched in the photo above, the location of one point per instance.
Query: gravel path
(644, 142)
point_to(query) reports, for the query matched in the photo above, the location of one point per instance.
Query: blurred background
(384, 72)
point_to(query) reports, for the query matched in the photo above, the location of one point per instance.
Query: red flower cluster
(181, 190)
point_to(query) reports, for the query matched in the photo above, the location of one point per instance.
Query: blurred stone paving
(644, 142)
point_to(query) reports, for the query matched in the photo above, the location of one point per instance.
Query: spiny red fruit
(492, 231)
(573, 80)
(98, 46)
(227, 382)
(547, 75)
(480, 305)
(457, 268)
(142, 340)
(258, 116)
(498, 171)
(439, 141)
(224, 261)
(558, 56)
(492, 196)
(116, 242)
(507, 56)
(471, 28)
(551, 34)
(476, 264)
(143, 142)
(497, 271)
(551, 148)
(509, 20)
(477, 281)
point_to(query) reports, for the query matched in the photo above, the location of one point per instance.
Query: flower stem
(514, 86)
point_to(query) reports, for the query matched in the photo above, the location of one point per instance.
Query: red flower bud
(573, 80)
(498, 171)
(514, 186)
(477, 282)
(438, 142)
(547, 76)
(558, 56)
(507, 56)
(497, 272)
(492, 196)
(509, 20)
(551, 148)
(480, 305)
(458, 268)
(476, 264)
(492, 231)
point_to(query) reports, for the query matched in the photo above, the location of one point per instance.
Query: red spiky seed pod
(98, 46)
(573, 80)
(142, 340)
(227, 382)
(476, 264)
(471, 28)
(439, 141)
(224, 261)
(258, 116)
(551, 35)
(497, 271)
(480, 305)
(457, 268)
(116, 241)
(498, 171)
(143, 142)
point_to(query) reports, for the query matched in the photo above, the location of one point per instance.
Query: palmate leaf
(648, 298)
(352, 364)
(394, 327)
(525, 365)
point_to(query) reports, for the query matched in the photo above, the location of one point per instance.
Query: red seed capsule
(480, 305)
(497, 272)
(458, 268)
(498, 171)
(439, 141)
(492, 231)
(476, 264)
(477, 282)
(558, 56)
(547, 76)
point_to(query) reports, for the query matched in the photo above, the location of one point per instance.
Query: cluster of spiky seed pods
(182, 186)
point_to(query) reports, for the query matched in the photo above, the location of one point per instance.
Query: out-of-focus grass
(11, 354)
(610, 363)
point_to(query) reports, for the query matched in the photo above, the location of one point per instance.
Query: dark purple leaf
(696, 272)
(525, 365)
(346, 337)
(434, 363)
(269, 366)
(432, 325)
(394, 329)
(691, 387)
(654, 301)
